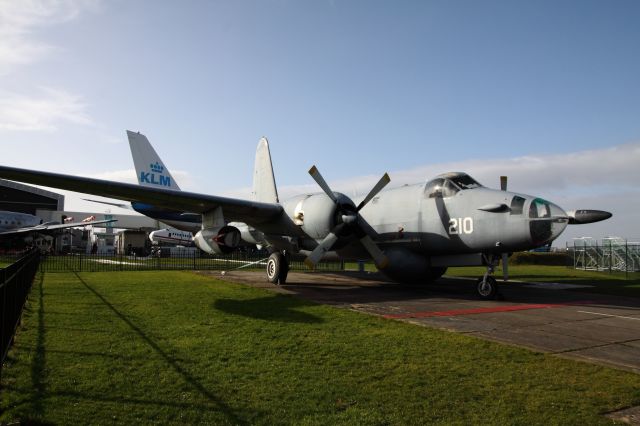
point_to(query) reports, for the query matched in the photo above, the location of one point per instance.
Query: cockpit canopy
(449, 184)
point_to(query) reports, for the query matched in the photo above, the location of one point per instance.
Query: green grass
(176, 347)
(616, 283)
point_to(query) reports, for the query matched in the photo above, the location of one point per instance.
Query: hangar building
(16, 197)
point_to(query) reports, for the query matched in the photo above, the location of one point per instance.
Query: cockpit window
(449, 189)
(433, 188)
(464, 181)
(441, 188)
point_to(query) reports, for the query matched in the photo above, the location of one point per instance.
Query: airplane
(413, 233)
(14, 223)
(173, 236)
(152, 172)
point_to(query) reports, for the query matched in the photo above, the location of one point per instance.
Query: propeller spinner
(351, 223)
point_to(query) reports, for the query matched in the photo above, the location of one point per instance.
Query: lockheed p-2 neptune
(413, 233)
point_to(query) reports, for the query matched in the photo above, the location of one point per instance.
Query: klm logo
(157, 167)
(155, 176)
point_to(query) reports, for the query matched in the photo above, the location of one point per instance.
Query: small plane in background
(14, 223)
(173, 236)
(413, 233)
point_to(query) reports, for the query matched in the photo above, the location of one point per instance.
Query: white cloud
(44, 112)
(19, 19)
(19, 45)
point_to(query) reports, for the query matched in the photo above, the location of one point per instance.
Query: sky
(546, 92)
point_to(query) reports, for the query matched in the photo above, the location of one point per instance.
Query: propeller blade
(503, 183)
(320, 250)
(315, 174)
(380, 259)
(384, 180)
(505, 267)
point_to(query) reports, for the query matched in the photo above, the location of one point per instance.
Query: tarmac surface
(545, 317)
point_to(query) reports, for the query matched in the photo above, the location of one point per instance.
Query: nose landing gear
(487, 286)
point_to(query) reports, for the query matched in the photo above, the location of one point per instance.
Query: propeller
(351, 223)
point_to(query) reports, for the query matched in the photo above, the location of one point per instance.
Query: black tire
(487, 290)
(277, 268)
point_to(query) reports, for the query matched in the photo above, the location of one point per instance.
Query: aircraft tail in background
(264, 182)
(150, 169)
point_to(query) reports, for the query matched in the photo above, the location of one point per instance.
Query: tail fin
(149, 167)
(264, 182)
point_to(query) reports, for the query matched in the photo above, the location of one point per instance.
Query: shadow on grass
(171, 361)
(271, 308)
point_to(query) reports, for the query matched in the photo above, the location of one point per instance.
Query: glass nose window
(539, 209)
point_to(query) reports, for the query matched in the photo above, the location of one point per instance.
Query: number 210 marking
(460, 225)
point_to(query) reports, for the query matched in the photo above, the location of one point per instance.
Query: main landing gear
(277, 268)
(487, 286)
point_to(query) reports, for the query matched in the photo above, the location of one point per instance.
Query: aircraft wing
(251, 212)
(52, 227)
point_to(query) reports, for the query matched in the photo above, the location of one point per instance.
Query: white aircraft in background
(173, 236)
(14, 223)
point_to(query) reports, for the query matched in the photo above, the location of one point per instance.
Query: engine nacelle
(315, 214)
(218, 240)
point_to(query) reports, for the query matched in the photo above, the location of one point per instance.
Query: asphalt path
(544, 317)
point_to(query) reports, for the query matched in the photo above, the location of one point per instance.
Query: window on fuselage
(517, 205)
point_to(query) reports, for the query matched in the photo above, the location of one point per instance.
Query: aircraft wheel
(487, 288)
(277, 268)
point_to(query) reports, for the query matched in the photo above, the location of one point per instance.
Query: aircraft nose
(546, 221)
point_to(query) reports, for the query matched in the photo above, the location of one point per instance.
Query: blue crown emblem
(157, 167)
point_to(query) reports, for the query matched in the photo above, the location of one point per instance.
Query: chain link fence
(175, 260)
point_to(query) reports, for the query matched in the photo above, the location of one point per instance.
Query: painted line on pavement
(475, 311)
(609, 315)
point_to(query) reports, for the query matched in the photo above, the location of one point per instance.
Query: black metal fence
(188, 260)
(15, 282)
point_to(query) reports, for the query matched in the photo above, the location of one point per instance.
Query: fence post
(626, 259)
(3, 319)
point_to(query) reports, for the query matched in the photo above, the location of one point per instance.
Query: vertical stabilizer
(264, 182)
(150, 169)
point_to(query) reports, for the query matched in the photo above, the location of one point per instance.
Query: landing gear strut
(487, 286)
(277, 268)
